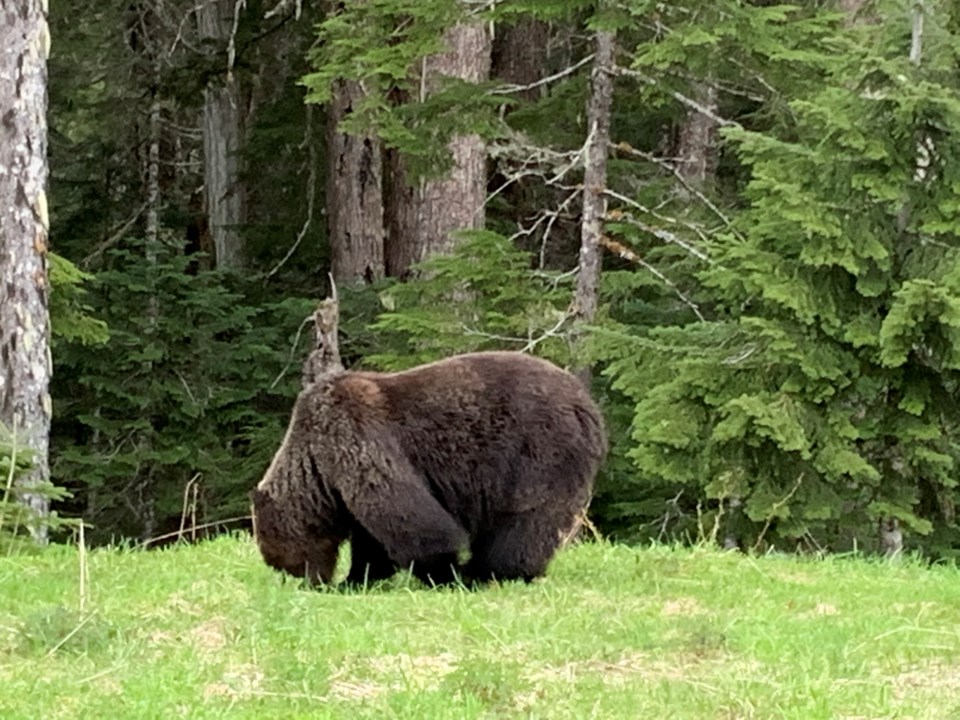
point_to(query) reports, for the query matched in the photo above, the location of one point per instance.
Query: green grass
(614, 632)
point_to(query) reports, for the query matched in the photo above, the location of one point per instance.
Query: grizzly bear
(475, 467)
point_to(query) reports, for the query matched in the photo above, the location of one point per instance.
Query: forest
(738, 220)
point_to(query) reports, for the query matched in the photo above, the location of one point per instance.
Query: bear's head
(290, 544)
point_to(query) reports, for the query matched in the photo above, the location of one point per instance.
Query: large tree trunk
(354, 194)
(420, 219)
(24, 317)
(400, 212)
(150, 57)
(222, 139)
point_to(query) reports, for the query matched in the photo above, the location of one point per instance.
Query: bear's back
(481, 395)
(494, 424)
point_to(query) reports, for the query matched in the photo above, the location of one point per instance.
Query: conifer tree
(822, 393)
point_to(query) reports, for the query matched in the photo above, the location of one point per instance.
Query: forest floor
(208, 631)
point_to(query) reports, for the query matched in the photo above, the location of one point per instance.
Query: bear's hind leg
(518, 546)
(369, 561)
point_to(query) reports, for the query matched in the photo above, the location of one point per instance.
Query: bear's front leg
(401, 515)
(369, 561)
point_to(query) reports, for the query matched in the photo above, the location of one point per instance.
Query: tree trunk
(222, 139)
(520, 62)
(851, 8)
(697, 151)
(146, 492)
(354, 194)
(520, 55)
(595, 179)
(24, 316)
(420, 219)
(400, 212)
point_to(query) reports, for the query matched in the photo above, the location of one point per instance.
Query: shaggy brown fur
(490, 453)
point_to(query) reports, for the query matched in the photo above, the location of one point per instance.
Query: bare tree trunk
(420, 220)
(595, 180)
(222, 138)
(149, 26)
(151, 178)
(697, 150)
(24, 315)
(146, 492)
(354, 194)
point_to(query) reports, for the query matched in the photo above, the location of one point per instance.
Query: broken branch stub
(324, 359)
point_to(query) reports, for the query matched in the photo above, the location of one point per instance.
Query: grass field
(615, 632)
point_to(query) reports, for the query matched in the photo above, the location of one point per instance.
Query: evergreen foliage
(826, 401)
(777, 348)
(483, 296)
(379, 44)
(192, 387)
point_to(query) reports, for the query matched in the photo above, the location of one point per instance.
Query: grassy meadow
(208, 631)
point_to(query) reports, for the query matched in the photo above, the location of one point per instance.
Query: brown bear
(491, 455)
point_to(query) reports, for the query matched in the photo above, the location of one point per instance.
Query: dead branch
(530, 342)
(629, 255)
(115, 236)
(678, 96)
(324, 359)
(514, 88)
(672, 169)
(773, 509)
(238, 7)
(660, 233)
(293, 352)
(283, 7)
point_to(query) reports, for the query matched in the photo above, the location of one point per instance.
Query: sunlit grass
(614, 632)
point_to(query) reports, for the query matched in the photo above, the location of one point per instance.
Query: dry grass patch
(372, 677)
(821, 609)
(926, 681)
(643, 667)
(208, 637)
(682, 606)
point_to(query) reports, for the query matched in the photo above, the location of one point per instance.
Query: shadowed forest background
(743, 217)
